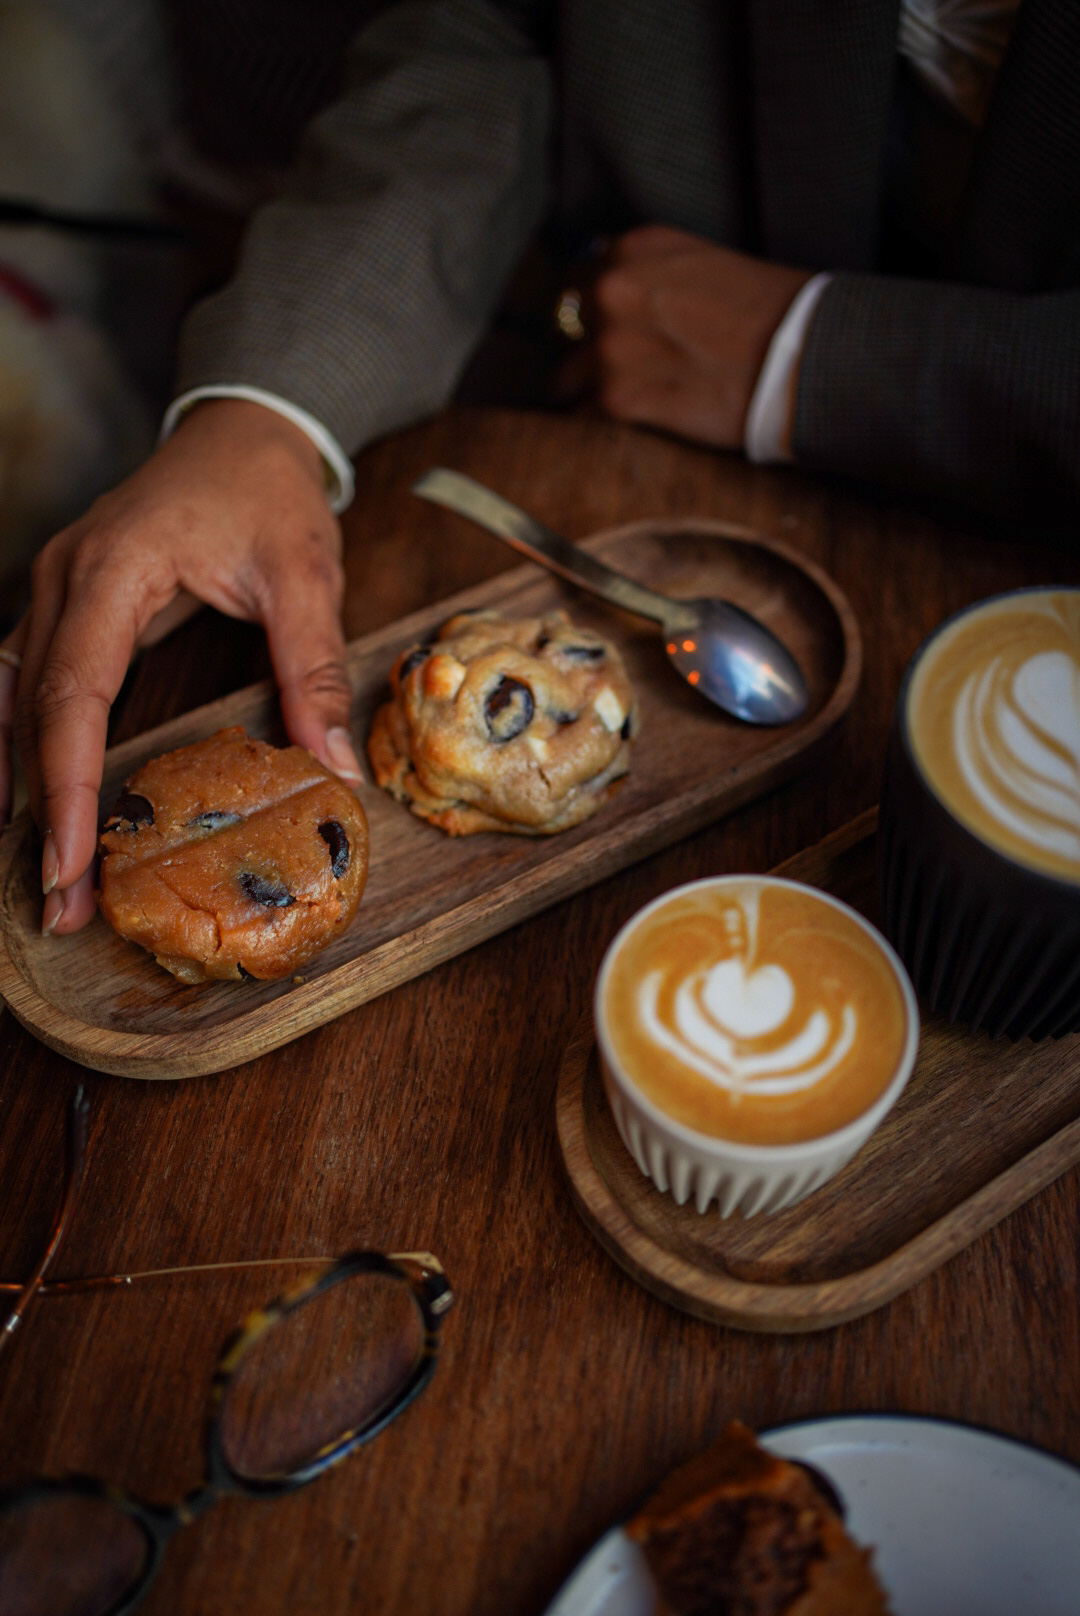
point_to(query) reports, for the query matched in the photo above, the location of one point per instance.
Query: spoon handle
(468, 498)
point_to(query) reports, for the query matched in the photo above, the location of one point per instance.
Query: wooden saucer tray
(106, 1004)
(982, 1125)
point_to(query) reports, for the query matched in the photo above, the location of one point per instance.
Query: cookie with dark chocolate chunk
(232, 858)
(511, 724)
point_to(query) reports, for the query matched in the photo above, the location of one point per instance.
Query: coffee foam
(759, 1012)
(993, 715)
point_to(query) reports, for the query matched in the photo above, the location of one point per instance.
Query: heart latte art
(725, 1023)
(994, 719)
(755, 1010)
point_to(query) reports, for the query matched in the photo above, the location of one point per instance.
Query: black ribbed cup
(986, 940)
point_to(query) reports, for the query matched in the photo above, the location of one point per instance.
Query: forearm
(957, 392)
(363, 287)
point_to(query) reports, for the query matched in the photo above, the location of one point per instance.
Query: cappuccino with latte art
(753, 1033)
(993, 711)
(979, 838)
(757, 1011)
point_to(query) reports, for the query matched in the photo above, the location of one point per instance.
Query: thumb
(307, 648)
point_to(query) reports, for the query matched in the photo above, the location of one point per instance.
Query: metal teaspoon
(718, 648)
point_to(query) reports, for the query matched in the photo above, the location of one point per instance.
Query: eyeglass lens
(323, 1371)
(65, 1554)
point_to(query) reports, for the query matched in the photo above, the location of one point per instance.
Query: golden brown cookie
(519, 724)
(232, 858)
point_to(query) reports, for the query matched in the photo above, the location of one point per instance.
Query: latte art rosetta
(1017, 740)
(724, 1024)
(994, 721)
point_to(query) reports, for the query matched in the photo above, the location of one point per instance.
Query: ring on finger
(12, 658)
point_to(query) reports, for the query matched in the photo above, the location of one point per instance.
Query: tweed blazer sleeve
(364, 285)
(962, 393)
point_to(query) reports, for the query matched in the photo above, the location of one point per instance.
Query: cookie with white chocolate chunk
(510, 724)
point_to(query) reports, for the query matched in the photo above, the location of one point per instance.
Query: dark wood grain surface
(425, 1119)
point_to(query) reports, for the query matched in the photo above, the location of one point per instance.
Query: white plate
(963, 1522)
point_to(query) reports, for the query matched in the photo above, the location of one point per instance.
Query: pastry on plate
(510, 724)
(737, 1531)
(233, 858)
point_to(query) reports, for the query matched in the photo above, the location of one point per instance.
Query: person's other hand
(231, 511)
(682, 328)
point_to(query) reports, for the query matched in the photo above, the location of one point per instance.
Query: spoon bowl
(734, 660)
(720, 650)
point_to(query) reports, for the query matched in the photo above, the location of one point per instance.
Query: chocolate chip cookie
(505, 724)
(233, 858)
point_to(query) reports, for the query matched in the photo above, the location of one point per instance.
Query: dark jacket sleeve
(957, 392)
(363, 287)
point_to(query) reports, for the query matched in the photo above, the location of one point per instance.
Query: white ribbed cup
(703, 1168)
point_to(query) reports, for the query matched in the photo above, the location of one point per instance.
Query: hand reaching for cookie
(682, 327)
(231, 511)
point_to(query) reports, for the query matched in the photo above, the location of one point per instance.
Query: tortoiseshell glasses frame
(419, 1272)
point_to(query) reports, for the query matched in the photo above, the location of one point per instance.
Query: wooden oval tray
(106, 1004)
(981, 1126)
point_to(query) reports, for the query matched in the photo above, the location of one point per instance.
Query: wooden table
(425, 1119)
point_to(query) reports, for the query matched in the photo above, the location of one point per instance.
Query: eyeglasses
(300, 1386)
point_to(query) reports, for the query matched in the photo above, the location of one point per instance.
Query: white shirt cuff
(337, 467)
(767, 417)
